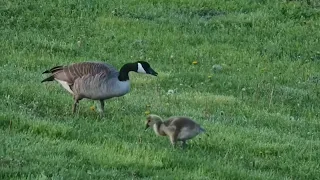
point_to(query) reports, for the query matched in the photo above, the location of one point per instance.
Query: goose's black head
(139, 67)
(145, 68)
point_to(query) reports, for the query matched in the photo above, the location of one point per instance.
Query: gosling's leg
(184, 144)
(173, 139)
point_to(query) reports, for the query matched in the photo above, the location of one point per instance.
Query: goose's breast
(117, 88)
(98, 89)
(111, 89)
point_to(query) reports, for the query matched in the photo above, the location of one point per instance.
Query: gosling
(177, 128)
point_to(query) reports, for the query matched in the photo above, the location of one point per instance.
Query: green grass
(261, 111)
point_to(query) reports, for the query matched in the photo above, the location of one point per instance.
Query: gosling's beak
(152, 72)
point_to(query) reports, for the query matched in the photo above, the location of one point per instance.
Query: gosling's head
(152, 119)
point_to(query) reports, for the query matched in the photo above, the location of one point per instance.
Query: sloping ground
(260, 111)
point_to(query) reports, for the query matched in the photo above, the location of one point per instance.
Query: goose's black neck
(125, 69)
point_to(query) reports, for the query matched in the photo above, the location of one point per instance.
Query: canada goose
(178, 128)
(96, 80)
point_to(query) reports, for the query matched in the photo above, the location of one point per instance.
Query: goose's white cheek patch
(140, 69)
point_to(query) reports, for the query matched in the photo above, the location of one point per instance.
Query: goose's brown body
(96, 80)
(89, 80)
(78, 70)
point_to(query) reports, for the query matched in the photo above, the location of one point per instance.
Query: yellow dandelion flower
(195, 62)
(93, 108)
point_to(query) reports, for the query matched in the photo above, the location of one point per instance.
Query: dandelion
(147, 112)
(93, 108)
(195, 62)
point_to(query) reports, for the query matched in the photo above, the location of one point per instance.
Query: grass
(261, 111)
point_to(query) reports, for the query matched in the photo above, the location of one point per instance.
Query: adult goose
(96, 80)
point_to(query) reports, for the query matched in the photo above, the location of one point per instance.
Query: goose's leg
(75, 104)
(74, 107)
(101, 108)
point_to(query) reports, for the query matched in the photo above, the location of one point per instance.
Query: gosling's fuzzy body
(178, 128)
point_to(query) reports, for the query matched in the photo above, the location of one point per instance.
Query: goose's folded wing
(96, 86)
(74, 71)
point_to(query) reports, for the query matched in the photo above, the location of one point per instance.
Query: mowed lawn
(247, 71)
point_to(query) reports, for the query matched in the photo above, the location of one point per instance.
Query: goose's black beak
(152, 72)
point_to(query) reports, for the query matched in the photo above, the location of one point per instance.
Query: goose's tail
(52, 70)
(50, 78)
